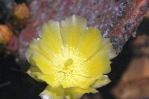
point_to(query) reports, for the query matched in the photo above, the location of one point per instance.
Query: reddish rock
(116, 19)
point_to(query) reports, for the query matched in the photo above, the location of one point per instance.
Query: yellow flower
(71, 56)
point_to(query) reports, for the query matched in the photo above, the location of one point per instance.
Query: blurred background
(128, 29)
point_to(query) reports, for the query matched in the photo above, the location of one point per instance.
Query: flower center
(68, 63)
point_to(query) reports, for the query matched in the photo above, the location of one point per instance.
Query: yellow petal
(97, 65)
(52, 93)
(76, 93)
(34, 48)
(67, 82)
(43, 63)
(83, 81)
(34, 72)
(71, 28)
(89, 42)
(107, 46)
(101, 81)
(51, 41)
(54, 79)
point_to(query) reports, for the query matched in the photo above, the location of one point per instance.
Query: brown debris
(147, 14)
(134, 83)
(92, 96)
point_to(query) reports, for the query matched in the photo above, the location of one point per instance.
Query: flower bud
(21, 11)
(5, 34)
